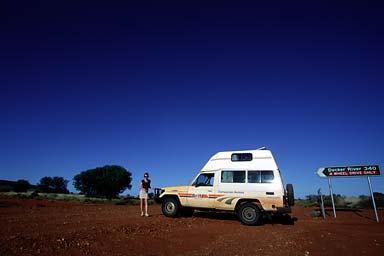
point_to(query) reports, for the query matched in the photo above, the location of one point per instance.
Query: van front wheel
(249, 214)
(170, 207)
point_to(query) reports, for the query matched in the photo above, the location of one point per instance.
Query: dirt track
(38, 227)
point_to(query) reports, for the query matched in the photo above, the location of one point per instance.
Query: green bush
(316, 214)
(339, 201)
(310, 201)
(103, 182)
(366, 201)
(53, 185)
(128, 201)
(342, 202)
(21, 186)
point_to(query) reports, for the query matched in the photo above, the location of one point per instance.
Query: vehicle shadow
(215, 215)
(357, 212)
(329, 211)
(282, 219)
(267, 219)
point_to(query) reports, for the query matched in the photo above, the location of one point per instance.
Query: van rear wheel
(249, 214)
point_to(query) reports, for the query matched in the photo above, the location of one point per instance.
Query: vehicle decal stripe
(229, 201)
(215, 195)
(223, 198)
(223, 158)
(185, 195)
(210, 196)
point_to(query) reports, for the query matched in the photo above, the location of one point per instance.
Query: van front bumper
(158, 192)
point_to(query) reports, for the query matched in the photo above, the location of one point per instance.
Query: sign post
(321, 203)
(333, 201)
(350, 171)
(373, 199)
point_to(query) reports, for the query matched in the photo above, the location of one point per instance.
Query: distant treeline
(341, 201)
(103, 182)
(46, 185)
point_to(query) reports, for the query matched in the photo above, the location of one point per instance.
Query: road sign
(349, 171)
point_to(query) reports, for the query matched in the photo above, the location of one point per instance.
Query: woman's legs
(141, 206)
(146, 206)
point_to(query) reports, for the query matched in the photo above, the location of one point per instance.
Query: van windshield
(204, 179)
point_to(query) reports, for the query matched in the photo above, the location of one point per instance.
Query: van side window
(233, 177)
(267, 176)
(260, 176)
(241, 157)
(205, 179)
(254, 177)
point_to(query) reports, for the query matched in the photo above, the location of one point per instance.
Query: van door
(200, 191)
(263, 183)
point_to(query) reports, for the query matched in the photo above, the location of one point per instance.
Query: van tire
(290, 195)
(170, 207)
(249, 214)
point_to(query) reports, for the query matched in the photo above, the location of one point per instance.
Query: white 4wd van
(248, 183)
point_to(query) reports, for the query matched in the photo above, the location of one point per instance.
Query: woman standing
(145, 185)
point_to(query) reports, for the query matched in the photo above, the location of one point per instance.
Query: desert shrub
(21, 186)
(314, 201)
(128, 201)
(316, 214)
(366, 201)
(339, 200)
(53, 185)
(105, 182)
(310, 201)
(34, 194)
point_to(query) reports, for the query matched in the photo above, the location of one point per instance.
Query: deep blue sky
(161, 86)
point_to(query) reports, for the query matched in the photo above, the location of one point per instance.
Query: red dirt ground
(41, 227)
